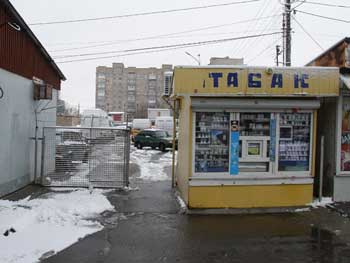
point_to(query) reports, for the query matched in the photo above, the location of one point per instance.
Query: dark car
(154, 138)
(71, 148)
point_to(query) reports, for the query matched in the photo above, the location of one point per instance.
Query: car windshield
(71, 136)
(162, 134)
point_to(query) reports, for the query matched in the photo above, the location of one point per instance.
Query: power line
(166, 35)
(164, 48)
(306, 32)
(260, 12)
(266, 48)
(115, 56)
(301, 2)
(267, 28)
(324, 4)
(140, 14)
(325, 17)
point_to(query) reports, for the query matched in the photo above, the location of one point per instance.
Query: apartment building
(130, 89)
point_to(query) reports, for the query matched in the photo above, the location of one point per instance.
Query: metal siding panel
(257, 104)
(21, 56)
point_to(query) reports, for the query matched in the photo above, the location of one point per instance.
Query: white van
(138, 125)
(165, 123)
(141, 124)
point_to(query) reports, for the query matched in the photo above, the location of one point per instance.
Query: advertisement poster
(234, 148)
(345, 138)
(272, 150)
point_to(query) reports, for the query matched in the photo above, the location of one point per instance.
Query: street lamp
(198, 60)
(11, 24)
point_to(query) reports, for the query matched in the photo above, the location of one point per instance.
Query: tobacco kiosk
(247, 134)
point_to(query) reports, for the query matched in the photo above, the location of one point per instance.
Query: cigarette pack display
(294, 143)
(212, 142)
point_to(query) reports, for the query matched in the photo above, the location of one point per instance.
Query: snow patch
(299, 210)
(48, 224)
(323, 203)
(181, 203)
(152, 169)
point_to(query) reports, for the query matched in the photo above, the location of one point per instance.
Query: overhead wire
(141, 14)
(265, 49)
(326, 4)
(301, 3)
(321, 16)
(260, 12)
(306, 32)
(165, 35)
(267, 27)
(158, 48)
(164, 46)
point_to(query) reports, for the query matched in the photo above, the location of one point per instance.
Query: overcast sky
(204, 24)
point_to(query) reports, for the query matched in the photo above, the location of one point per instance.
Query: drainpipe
(321, 169)
(36, 146)
(174, 141)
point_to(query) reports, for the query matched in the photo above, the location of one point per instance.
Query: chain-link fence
(84, 157)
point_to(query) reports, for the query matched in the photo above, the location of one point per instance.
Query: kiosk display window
(294, 141)
(269, 142)
(255, 124)
(345, 136)
(254, 138)
(212, 142)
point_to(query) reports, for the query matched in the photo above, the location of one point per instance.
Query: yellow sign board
(256, 81)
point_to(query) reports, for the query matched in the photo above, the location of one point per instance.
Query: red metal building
(21, 52)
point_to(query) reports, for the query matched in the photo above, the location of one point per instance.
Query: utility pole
(287, 38)
(278, 52)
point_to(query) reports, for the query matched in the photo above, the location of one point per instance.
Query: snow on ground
(323, 203)
(152, 163)
(48, 224)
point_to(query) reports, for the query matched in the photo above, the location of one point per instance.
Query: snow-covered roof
(94, 112)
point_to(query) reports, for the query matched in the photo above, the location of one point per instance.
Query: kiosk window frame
(263, 142)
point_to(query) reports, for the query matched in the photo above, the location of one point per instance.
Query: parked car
(71, 148)
(138, 125)
(154, 138)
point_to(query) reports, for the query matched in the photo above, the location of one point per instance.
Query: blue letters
(301, 80)
(232, 79)
(215, 77)
(254, 83)
(277, 80)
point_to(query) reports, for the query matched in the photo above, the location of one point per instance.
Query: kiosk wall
(250, 142)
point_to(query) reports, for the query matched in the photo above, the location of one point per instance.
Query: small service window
(254, 148)
(254, 140)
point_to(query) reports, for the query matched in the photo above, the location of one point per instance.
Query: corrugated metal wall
(20, 55)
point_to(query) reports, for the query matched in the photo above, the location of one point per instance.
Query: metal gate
(85, 157)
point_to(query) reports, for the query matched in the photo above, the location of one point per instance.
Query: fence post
(126, 157)
(321, 168)
(42, 158)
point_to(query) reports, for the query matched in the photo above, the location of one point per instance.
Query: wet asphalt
(148, 227)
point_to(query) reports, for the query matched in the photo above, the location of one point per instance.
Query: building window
(101, 76)
(131, 97)
(100, 93)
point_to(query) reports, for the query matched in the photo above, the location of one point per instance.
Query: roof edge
(345, 39)
(24, 26)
